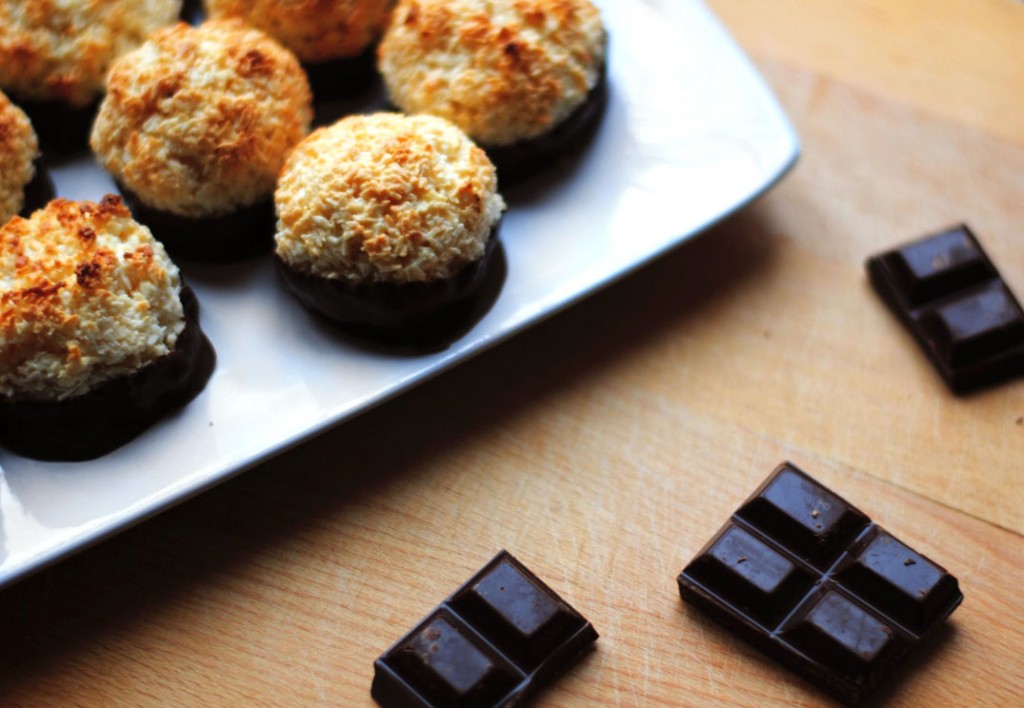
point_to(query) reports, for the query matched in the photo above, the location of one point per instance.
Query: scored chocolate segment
(525, 621)
(950, 296)
(760, 581)
(843, 636)
(811, 581)
(899, 581)
(949, 261)
(808, 519)
(976, 326)
(493, 642)
(449, 666)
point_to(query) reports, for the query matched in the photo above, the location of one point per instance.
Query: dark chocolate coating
(396, 312)
(108, 416)
(240, 235)
(950, 296)
(525, 158)
(807, 578)
(193, 12)
(63, 130)
(330, 79)
(342, 77)
(494, 642)
(39, 191)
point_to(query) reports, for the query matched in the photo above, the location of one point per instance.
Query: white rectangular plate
(690, 134)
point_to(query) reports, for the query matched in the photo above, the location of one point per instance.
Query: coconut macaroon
(55, 54)
(98, 335)
(332, 38)
(511, 73)
(195, 127)
(386, 222)
(23, 183)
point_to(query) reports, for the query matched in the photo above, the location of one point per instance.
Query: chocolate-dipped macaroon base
(343, 77)
(426, 314)
(110, 415)
(193, 12)
(526, 158)
(62, 129)
(240, 235)
(39, 191)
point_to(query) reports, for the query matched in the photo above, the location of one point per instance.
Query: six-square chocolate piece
(950, 296)
(494, 642)
(811, 581)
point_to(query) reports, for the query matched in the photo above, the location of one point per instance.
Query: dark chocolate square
(946, 291)
(808, 518)
(843, 636)
(810, 580)
(493, 642)
(448, 665)
(762, 583)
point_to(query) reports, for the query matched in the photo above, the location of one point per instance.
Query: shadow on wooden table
(204, 550)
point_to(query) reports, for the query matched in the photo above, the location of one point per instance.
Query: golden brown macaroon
(195, 127)
(315, 30)
(333, 38)
(55, 54)
(98, 335)
(19, 151)
(385, 220)
(508, 72)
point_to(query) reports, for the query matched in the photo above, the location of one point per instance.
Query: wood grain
(605, 446)
(953, 58)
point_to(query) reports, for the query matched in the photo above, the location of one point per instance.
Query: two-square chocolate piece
(948, 294)
(494, 642)
(808, 579)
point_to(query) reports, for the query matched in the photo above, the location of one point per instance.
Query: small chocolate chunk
(807, 578)
(949, 295)
(494, 642)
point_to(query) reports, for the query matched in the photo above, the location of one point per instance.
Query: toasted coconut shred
(199, 120)
(386, 198)
(86, 295)
(62, 49)
(502, 70)
(18, 150)
(316, 30)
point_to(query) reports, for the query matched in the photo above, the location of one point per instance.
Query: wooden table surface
(606, 445)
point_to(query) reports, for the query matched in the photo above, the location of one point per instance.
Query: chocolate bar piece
(947, 292)
(811, 581)
(494, 642)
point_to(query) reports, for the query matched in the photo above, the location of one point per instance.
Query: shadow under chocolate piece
(813, 583)
(108, 416)
(494, 642)
(946, 291)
